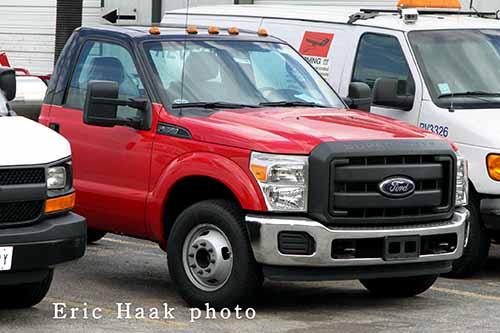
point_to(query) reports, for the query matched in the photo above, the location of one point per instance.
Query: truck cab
(38, 231)
(436, 68)
(227, 149)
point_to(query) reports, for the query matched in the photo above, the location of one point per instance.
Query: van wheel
(94, 235)
(210, 258)
(25, 295)
(478, 246)
(400, 287)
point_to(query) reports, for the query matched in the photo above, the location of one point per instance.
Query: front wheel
(25, 295)
(210, 258)
(400, 287)
(478, 245)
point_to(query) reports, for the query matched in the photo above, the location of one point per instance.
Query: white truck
(435, 68)
(37, 228)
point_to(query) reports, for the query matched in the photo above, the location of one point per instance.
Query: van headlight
(283, 180)
(462, 198)
(56, 178)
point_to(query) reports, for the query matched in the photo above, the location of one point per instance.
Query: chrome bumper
(264, 232)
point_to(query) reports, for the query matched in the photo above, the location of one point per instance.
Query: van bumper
(368, 252)
(39, 247)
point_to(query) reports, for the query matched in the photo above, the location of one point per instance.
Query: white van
(437, 69)
(38, 231)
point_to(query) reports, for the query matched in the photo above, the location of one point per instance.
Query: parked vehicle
(37, 228)
(238, 159)
(30, 92)
(423, 68)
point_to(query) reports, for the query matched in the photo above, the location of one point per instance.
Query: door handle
(54, 126)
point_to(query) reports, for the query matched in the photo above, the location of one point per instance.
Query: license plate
(406, 247)
(6, 258)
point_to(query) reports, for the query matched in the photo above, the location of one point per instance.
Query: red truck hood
(298, 130)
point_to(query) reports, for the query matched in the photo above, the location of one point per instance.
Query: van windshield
(461, 67)
(237, 74)
(3, 105)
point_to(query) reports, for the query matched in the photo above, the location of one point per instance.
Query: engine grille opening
(355, 197)
(22, 176)
(16, 212)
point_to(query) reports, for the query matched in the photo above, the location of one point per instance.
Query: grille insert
(22, 176)
(16, 212)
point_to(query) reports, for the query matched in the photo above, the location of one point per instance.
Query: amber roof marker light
(452, 4)
(233, 31)
(263, 32)
(154, 31)
(213, 30)
(192, 30)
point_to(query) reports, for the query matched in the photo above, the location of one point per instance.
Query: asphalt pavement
(123, 285)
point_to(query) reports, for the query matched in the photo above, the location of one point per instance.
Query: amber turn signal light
(59, 204)
(493, 163)
(259, 172)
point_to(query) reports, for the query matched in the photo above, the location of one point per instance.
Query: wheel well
(188, 191)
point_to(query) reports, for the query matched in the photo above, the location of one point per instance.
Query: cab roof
(340, 15)
(140, 33)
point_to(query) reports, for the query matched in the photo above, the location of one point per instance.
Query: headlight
(56, 178)
(282, 179)
(493, 162)
(462, 198)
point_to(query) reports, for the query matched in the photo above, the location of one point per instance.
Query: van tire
(94, 235)
(478, 246)
(400, 287)
(243, 280)
(24, 296)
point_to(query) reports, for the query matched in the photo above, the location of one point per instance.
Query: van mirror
(101, 106)
(385, 93)
(8, 82)
(360, 96)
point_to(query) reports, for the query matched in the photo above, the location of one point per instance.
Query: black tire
(478, 246)
(245, 279)
(400, 287)
(25, 295)
(94, 235)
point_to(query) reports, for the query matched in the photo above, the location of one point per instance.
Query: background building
(32, 33)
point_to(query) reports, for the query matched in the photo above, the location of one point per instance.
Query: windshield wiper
(470, 93)
(292, 104)
(213, 105)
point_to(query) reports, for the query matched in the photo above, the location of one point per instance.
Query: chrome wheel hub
(207, 257)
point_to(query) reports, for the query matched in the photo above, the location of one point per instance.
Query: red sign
(316, 44)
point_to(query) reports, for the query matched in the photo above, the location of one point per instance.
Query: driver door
(111, 165)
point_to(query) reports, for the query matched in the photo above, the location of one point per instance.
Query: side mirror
(360, 96)
(385, 93)
(101, 106)
(8, 82)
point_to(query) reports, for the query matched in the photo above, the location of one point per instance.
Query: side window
(110, 62)
(381, 56)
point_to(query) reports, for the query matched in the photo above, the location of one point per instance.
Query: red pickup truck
(233, 154)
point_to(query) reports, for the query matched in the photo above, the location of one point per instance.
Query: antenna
(184, 54)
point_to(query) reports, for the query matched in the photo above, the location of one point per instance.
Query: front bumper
(264, 231)
(42, 246)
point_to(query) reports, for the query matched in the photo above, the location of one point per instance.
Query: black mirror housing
(8, 82)
(360, 96)
(96, 111)
(385, 93)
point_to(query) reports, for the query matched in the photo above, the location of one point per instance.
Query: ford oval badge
(397, 187)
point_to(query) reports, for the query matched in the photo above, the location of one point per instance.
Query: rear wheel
(94, 236)
(400, 287)
(25, 295)
(209, 256)
(478, 245)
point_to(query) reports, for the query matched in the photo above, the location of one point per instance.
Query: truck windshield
(461, 67)
(236, 74)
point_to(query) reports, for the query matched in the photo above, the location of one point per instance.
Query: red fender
(218, 167)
